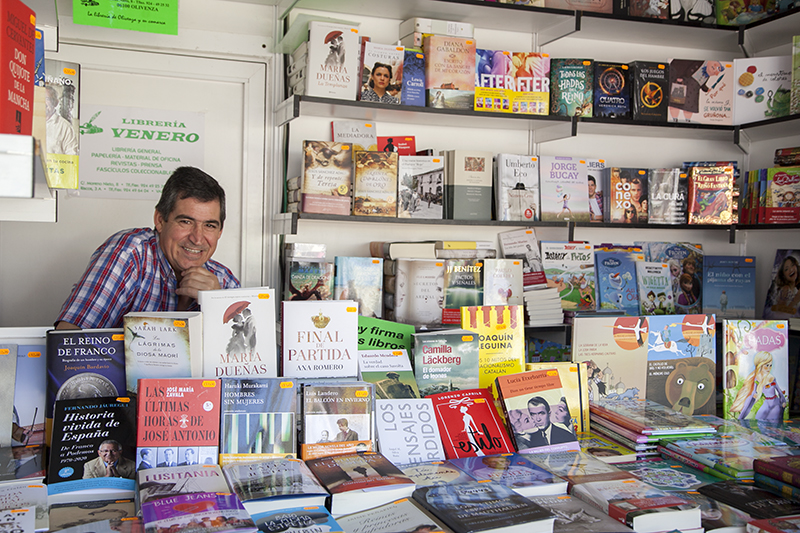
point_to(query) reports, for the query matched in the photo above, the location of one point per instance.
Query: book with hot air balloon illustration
(239, 333)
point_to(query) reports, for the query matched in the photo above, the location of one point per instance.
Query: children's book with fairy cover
(375, 186)
(701, 92)
(516, 186)
(612, 90)
(377, 55)
(711, 195)
(783, 295)
(449, 71)
(685, 262)
(782, 202)
(616, 279)
(360, 279)
(681, 363)
(337, 419)
(501, 331)
(762, 88)
(667, 196)
(569, 267)
(562, 186)
(537, 411)
(420, 187)
(729, 289)
(615, 351)
(327, 178)
(627, 193)
(463, 286)
(571, 87)
(654, 282)
(755, 377)
(258, 419)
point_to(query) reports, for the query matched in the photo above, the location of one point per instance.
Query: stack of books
(543, 307)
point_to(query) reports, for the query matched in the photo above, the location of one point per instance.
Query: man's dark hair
(538, 400)
(342, 422)
(591, 178)
(190, 182)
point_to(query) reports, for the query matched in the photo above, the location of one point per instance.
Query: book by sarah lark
(320, 339)
(563, 189)
(239, 333)
(729, 286)
(338, 419)
(333, 51)
(162, 344)
(375, 188)
(327, 184)
(407, 431)
(516, 181)
(446, 360)
(258, 419)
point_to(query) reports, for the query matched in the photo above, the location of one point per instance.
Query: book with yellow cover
(501, 330)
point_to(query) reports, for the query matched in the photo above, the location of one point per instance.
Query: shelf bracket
(732, 234)
(285, 224)
(741, 140)
(287, 111)
(558, 31)
(745, 43)
(570, 230)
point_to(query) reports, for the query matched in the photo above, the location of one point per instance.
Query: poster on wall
(152, 16)
(129, 152)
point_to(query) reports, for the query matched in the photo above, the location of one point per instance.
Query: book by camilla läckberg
(446, 360)
(375, 186)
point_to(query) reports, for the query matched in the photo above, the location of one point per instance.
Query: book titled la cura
(209, 512)
(258, 419)
(159, 483)
(239, 333)
(360, 481)
(476, 506)
(311, 519)
(274, 484)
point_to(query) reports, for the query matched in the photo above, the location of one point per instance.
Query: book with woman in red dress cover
(469, 424)
(523, 396)
(711, 195)
(327, 184)
(359, 481)
(783, 295)
(177, 414)
(756, 372)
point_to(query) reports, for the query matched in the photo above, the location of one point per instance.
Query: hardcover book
(488, 506)
(413, 77)
(605, 449)
(88, 363)
(333, 60)
(419, 292)
(612, 90)
(731, 456)
(359, 481)
(522, 244)
(390, 371)
(327, 177)
(420, 186)
(400, 515)
(320, 339)
(745, 496)
(574, 385)
(28, 413)
(578, 467)
(654, 281)
(258, 419)
(562, 184)
(402, 145)
(628, 195)
(463, 286)
(468, 185)
(537, 411)
(449, 71)
(571, 87)
(434, 473)
(650, 83)
(729, 286)
(616, 279)
(446, 361)
(501, 332)
(308, 279)
(469, 424)
(701, 92)
(597, 189)
(782, 300)
(513, 470)
(375, 189)
(159, 483)
(239, 333)
(360, 279)
(361, 135)
(211, 511)
(782, 190)
(92, 450)
(762, 88)
(783, 468)
(711, 195)
(273, 484)
(376, 55)
(17, 51)
(576, 516)
(502, 282)
(516, 185)
(569, 267)
(756, 372)
(177, 415)
(25, 494)
(337, 419)
(162, 344)
(297, 519)
(667, 196)
(407, 431)
(685, 262)
(62, 79)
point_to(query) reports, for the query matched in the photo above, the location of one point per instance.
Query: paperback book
(400, 515)
(654, 281)
(522, 244)
(407, 431)
(747, 497)
(468, 185)
(513, 470)
(501, 331)
(628, 190)
(62, 80)
(463, 286)
(685, 262)
(360, 279)
(781, 192)
(361, 135)
(188, 511)
(562, 182)
(333, 60)
(574, 385)
(502, 282)
(327, 185)
(494, 81)
(420, 184)
(413, 77)
(516, 184)
(667, 196)
(297, 519)
(569, 267)
(375, 186)
(380, 56)
(25, 494)
(782, 300)
(308, 279)
(711, 195)
(159, 483)
(597, 189)
(612, 90)
(446, 361)
(258, 419)
(571, 87)
(650, 83)
(616, 279)
(28, 413)
(729, 286)
(573, 515)
(419, 292)
(449, 71)
(338, 419)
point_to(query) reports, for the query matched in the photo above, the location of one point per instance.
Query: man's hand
(192, 280)
(111, 471)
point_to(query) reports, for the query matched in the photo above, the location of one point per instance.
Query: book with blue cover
(360, 279)
(729, 286)
(413, 77)
(308, 519)
(514, 471)
(616, 279)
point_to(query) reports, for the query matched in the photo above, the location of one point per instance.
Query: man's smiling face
(189, 235)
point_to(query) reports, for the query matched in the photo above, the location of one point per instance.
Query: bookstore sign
(151, 16)
(129, 152)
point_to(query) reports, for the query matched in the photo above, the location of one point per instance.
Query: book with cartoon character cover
(616, 279)
(654, 282)
(711, 195)
(569, 267)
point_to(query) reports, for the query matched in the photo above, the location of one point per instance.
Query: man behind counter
(157, 269)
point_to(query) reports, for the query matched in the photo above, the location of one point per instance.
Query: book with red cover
(711, 195)
(402, 144)
(786, 468)
(17, 43)
(177, 415)
(469, 424)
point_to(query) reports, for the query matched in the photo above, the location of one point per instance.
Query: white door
(40, 262)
